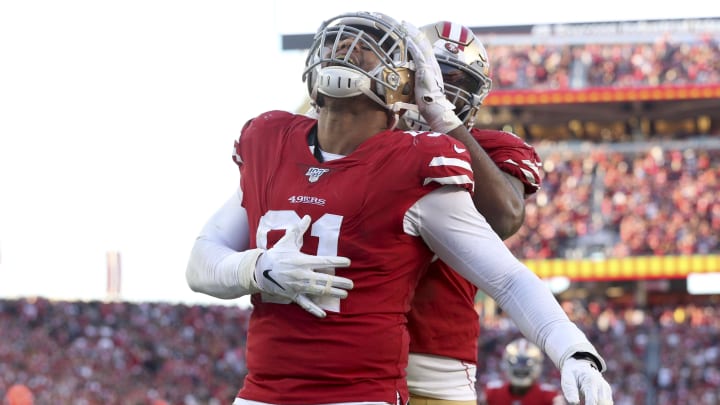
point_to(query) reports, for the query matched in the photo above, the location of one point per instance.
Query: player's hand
(582, 376)
(286, 272)
(429, 88)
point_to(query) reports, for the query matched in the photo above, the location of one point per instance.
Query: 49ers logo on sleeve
(314, 173)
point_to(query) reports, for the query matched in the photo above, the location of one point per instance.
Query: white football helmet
(329, 69)
(522, 362)
(465, 67)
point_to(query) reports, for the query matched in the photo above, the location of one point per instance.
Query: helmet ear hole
(405, 79)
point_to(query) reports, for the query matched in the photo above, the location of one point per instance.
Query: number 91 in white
(326, 229)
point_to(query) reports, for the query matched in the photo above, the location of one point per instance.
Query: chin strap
(399, 107)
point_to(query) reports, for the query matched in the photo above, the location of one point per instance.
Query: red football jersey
(357, 204)
(538, 394)
(443, 320)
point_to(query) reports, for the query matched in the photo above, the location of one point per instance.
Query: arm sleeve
(220, 264)
(447, 221)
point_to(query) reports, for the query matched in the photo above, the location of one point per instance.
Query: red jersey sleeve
(513, 156)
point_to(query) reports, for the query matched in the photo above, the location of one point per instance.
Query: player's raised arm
(449, 223)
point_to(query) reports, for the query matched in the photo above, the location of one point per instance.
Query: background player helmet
(522, 362)
(466, 70)
(332, 73)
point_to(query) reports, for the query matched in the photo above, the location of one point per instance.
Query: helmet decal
(457, 33)
(466, 71)
(451, 47)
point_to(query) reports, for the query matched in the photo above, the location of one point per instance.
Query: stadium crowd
(659, 200)
(576, 66)
(606, 202)
(85, 353)
(664, 355)
(597, 203)
(617, 204)
(159, 354)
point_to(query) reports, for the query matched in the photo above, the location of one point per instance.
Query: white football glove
(582, 375)
(284, 271)
(438, 112)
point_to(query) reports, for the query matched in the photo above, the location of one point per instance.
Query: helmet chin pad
(342, 82)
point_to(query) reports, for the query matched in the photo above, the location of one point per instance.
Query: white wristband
(565, 340)
(246, 270)
(445, 122)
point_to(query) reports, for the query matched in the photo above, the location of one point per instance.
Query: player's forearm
(220, 263)
(219, 271)
(448, 223)
(496, 197)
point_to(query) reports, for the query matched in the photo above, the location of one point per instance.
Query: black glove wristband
(587, 356)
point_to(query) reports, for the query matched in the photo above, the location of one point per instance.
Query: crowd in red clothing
(151, 353)
(610, 202)
(660, 201)
(574, 66)
(86, 353)
(665, 355)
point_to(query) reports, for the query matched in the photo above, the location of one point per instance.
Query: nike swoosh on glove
(582, 376)
(286, 272)
(429, 88)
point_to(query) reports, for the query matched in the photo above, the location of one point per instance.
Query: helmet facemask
(331, 70)
(522, 362)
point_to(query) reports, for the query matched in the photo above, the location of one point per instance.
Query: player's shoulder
(275, 119)
(441, 148)
(268, 132)
(499, 138)
(423, 145)
(436, 156)
(426, 139)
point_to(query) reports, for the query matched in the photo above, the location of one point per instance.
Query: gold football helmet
(522, 362)
(331, 71)
(465, 67)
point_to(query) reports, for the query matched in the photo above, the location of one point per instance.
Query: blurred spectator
(159, 354)
(122, 353)
(19, 394)
(671, 351)
(565, 66)
(618, 204)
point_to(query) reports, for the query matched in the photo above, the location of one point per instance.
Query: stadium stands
(637, 174)
(615, 203)
(664, 355)
(144, 353)
(122, 353)
(663, 62)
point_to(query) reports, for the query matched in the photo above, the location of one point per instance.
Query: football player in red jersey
(378, 203)
(522, 364)
(443, 323)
